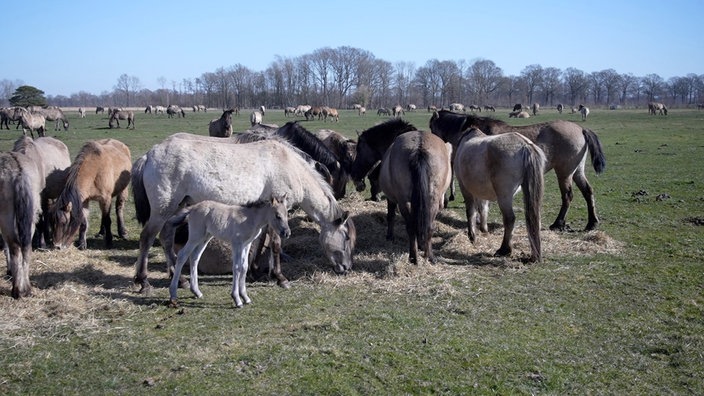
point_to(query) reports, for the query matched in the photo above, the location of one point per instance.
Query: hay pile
(73, 288)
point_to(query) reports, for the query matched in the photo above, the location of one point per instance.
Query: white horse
(239, 225)
(33, 122)
(82, 112)
(187, 168)
(584, 111)
(256, 117)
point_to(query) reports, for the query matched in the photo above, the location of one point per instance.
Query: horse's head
(65, 125)
(364, 161)
(338, 240)
(279, 216)
(64, 223)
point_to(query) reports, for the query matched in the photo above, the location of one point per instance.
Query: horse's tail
(532, 186)
(25, 209)
(139, 193)
(168, 232)
(420, 196)
(597, 153)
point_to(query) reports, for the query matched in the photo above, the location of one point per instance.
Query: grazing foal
(240, 225)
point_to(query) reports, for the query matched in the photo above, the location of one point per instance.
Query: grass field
(615, 311)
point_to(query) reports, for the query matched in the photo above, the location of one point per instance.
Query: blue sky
(87, 45)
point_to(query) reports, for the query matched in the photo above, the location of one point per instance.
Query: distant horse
(656, 107)
(535, 108)
(159, 109)
(174, 110)
(100, 171)
(99, 109)
(54, 114)
(415, 173)
(489, 108)
(362, 111)
(519, 114)
(239, 225)
(432, 108)
(457, 107)
(202, 108)
(584, 111)
(519, 107)
(53, 160)
(475, 108)
(313, 113)
(118, 115)
(493, 168)
(31, 122)
(398, 111)
(289, 110)
(222, 127)
(371, 146)
(20, 186)
(8, 114)
(82, 112)
(149, 109)
(255, 118)
(411, 107)
(302, 109)
(332, 113)
(560, 107)
(262, 109)
(564, 143)
(177, 174)
(383, 111)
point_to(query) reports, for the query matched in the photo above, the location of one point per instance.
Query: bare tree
(321, 62)
(484, 78)
(611, 80)
(576, 83)
(628, 82)
(551, 84)
(532, 77)
(653, 86)
(126, 86)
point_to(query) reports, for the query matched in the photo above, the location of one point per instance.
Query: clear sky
(86, 45)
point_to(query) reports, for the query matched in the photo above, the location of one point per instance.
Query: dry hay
(83, 291)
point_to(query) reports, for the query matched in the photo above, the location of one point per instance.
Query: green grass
(626, 323)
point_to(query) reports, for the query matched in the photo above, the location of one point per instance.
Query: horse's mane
(22, 144)
(309, 143)
(70, 192)
(386, 131)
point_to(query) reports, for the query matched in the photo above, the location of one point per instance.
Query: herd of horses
(46, 195)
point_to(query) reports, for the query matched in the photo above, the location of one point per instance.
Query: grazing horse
(332, 113)
(255, 118)
(159, 109)
(560, 107)
(99, 109)
(415, 173)
(289, 110)
(313, 112)
(53, 160)
(489, 108)
(656, 107)
(21, 182)
(202, 108)
(177, 174)
(239, 225)
(535, 108)
(222, 127)
(493, 168)
(411, 107)
(564, 143)
(149, 109)
(344, 149)
(432, 108)
(371, 146)
(302, 109)
(82, 112)
(383, 111)
(100, 171)
(33, 122)
(262, 109)
(173, 110)
(398, 111)
(54, 114)
(8, 114)
(475, 108)
(118, 115)
(362, 111)
(584, 111)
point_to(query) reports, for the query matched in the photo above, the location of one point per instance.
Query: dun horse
(118, 115)
(100, 172)
(33, 122)
(415, 173)
(221, 127)
(177, 174)
(20, 185)
(564, 143)
(493, 168)
(239, 225)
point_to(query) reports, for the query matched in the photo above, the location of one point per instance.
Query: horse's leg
(483, 209)
(187, 251)
(243, 274)
(412, 233)
(390, 216)
(119, 213)
(106, 222)
(239, 273)
(195, 259)
(505, 202)
(146, 240)
(374, 188)
(18, 264)
(588, 193)
(275, 246)
(168, 245)
(565, 183)
(470, 210)
(82, 244)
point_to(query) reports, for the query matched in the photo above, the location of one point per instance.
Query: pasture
(619, 310)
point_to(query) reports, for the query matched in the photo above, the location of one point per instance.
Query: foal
(239, 225)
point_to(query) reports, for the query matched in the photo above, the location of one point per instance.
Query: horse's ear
(68, 207)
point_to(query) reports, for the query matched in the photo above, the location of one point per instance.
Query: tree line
(340, 77)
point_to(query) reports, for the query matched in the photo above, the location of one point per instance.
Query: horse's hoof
(145, 289)
(183, 283)
(284, 284)
(173, 303)
(502, 252)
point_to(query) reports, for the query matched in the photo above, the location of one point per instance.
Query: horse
(255, 118)
(432, 108)
(493, 168)
(118, 115)
(383, 111)
(54, 114)
(33, 122)
(564, 143)
(100, 172)
(82, 112)
(99, 109)
(656, 107)
(202, 108)
(415, 173)
(398, 111)
(535, 108)
(8, 114)
(313, 112)
(262, 109)
(289, 110)
(177, 174)
(475, 108)
(302, 109)
(559, 108)
(362, 111)
(584, 111)
(371, 146)
(345, 150)
(222, 127)
(456, 107)
(518, 107)
(159, 109)
(20, 186)
(53, 160)
(519, 114)
(173, 110)
(332, 113)
(411, 107)
(239, 225)
(148, 109)
(489, 108)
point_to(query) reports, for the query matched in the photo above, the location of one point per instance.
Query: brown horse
(222, 127)
(415, 173)
(493, 168)
(53, 160)
(344, 149)
(20, 186)
(371, 146)
(564, 143)
(116, 115)
(100, 172)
